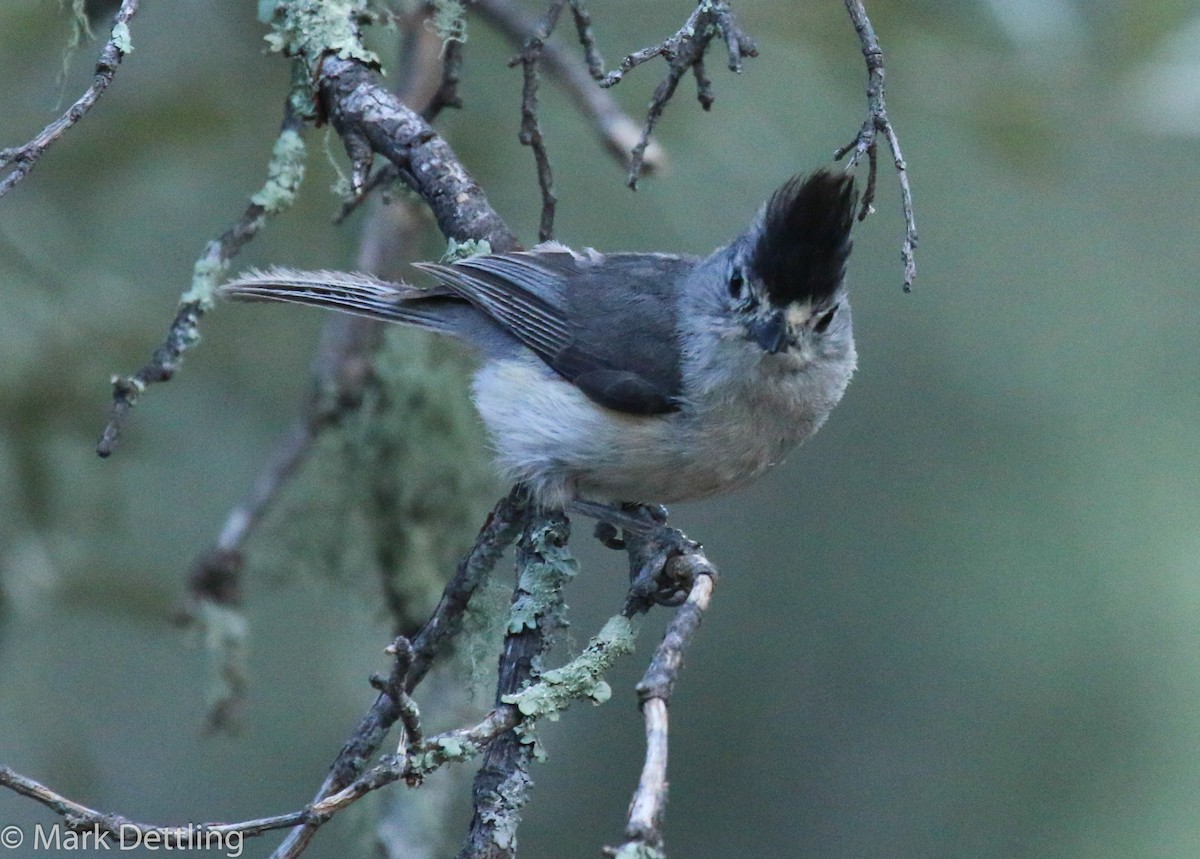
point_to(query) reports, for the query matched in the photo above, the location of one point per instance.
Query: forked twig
(865, 142)
(684, 50)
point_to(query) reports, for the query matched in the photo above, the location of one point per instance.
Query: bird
(609, 379)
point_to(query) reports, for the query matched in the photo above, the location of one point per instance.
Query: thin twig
(450, 746)
(683, 51)
(395, 685)
(531, 131)
(22, 158)
(80, 817)
(864, 143)
(446, 94)
(616, 129)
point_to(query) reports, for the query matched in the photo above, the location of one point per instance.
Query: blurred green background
(963, 621)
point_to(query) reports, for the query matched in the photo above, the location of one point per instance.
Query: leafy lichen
(549, 568)
(120, 38)
(314, 28)
(449, 20)
(582, 677)
(456, 250)
(285, 173)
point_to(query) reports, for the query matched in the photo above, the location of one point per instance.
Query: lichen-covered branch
(372, 120)
(284, 176)
(538, 612)
(526, 693)
(21, 159)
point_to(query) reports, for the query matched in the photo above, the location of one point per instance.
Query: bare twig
(20, 160)
(80, 817)
(864, 143)
(683, 51)
(531, 131)
(395, 686)
(616, 129)
(283, 181)
(446, 94)
(643, 834)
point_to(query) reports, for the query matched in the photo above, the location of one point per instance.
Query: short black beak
(771, 333)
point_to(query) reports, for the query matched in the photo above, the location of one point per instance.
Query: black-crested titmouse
(637, 377)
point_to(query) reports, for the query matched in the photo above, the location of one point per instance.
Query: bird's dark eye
(736, 281)
(824, 321)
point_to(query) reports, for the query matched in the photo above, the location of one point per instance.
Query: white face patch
(798, 313)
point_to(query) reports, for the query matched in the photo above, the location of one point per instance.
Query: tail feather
(359, 294)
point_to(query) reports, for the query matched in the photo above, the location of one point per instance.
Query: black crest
(805, 242)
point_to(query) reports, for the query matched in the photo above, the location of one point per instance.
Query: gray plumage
(634, 376)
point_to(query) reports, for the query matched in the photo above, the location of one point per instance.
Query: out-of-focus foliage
(963, 621)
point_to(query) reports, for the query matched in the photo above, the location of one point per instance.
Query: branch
(127, 832)
(372, 120)
(22, 159)
(865, 142)
(457, 745)
(496, 535)
(505, 735)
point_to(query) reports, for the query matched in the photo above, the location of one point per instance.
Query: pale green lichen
(482, 634)
(285, 173)
(81, 30)
(301, 98)
(206, 274)
(456, 250)
(393, 489)
(527, 735)
(440, 751)
(638, 850)
(549, 568)
(449, 20)
(582, 677)
(314, 28)
(225, 633)
(120, 38)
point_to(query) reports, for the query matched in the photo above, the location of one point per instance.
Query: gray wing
(605, 323)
